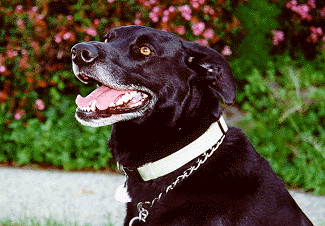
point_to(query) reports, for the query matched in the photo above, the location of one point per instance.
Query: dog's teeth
(134, 93)
(119, 102)
(93, 106)
(112, 105)
(136, 104)
(126, 98)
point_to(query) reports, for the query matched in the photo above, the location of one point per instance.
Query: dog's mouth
(111, 104)
(105, 101)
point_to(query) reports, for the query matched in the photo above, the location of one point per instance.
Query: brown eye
(144, 50)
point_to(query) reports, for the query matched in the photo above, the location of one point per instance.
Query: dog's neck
(209, 141)
(134, 144)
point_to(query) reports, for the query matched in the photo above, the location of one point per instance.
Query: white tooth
(112, 105)
(133, 93)
(136, 104)
(124, 98)
(93, 106)
(119, 102)
(127, 97)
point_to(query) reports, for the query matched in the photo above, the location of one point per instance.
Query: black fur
(236, 186)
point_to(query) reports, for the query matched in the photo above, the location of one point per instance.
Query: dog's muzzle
(111, 101)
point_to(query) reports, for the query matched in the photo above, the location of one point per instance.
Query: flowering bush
(301, 28)
(35, 65)
(37, 86)
(35, 57)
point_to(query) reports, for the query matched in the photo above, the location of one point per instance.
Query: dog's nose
(84, 53)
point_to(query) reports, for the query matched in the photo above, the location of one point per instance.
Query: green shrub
(285, 113)
(283, 100)
(61, 140)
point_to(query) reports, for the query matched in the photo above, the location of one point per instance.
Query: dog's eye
(145, 50)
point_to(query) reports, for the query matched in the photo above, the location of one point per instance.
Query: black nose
(82, 53)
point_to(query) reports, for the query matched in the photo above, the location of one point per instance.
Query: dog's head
(141, 71)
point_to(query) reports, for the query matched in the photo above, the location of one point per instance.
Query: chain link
(143, 213)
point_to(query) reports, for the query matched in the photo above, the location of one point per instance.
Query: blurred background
(276, 49)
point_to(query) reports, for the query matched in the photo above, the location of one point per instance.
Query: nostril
(84, 53)
(87, 56)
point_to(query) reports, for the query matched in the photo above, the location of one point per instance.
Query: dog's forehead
(134, 31)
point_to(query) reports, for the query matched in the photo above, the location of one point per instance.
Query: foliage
(279, 27)
(61, 140)
(258, 37)
(285, 121)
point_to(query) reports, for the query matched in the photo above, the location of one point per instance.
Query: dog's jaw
(134, 102)
(104, 121)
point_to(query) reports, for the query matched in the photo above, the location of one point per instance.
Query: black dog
(184, 166)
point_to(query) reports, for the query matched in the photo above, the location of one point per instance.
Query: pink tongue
(103, 95)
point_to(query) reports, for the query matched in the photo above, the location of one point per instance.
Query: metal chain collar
(143, 213)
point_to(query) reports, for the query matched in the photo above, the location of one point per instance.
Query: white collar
(164, 166)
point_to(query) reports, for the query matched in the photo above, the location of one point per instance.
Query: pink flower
(97, 22)
(19, 114)
(20, 22)
(315, 32)
(312, 3)
(40, 104)
(180, 30)
(171, 9)
(2, 69)
(154, 17)
(291, 3)
(186, 12)
(23, 52)
(138, 22)
(70, 17)
(110, 1)
(11, 53)
(57, 38)
(202, 42)
(208, 9)
(319, 31)
(322, 12)
(67, 35)
(195, 5)
(91, 31)
(156, 9)
(278, 36)
(208, 33)
(303, 11)
(226, 51)
(313, 37)
(19, 8)
(198, 28)
(165, 19)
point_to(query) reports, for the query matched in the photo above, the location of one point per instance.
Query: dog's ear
(213, 68)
